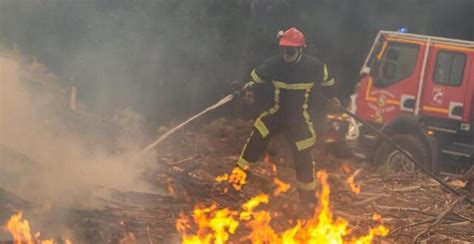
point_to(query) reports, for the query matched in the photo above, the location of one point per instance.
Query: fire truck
(418, 90)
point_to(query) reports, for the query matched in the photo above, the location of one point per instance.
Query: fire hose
(383, 136)
(221, 102)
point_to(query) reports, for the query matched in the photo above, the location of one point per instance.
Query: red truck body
(419, 90)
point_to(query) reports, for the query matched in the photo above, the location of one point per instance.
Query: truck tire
(394, 161)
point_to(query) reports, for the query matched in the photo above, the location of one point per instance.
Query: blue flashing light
(403, 30)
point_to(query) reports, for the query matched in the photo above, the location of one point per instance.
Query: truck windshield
(396, 64)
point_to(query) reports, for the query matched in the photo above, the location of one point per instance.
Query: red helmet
(292, 38)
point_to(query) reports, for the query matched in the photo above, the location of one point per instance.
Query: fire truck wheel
(394, 161)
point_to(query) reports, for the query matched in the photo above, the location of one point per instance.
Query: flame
(274, 168)
(355, 188)
(20, 230)
(217, 225)
(345, 167)
(321, 228)
(261, 230)
(376, 217)
(250, 205)
(214, 226)
(238, 178)
(222, 178)
(281, 187)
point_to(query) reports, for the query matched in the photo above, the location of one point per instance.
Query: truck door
(393, 81)
(446, 84)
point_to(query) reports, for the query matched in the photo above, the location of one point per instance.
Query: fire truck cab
(419, 90)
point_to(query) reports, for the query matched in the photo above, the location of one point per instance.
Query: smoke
(157, 57)
(50, 153)
(168, 59)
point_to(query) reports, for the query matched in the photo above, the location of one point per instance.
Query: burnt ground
(191, 159)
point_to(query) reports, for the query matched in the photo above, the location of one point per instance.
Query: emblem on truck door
(382, 104)
(438, 96)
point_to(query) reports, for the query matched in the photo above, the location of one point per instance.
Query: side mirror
(364, 71)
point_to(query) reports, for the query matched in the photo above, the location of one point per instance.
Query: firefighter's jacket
(295, 87)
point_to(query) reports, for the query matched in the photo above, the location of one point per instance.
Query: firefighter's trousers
(300, 136)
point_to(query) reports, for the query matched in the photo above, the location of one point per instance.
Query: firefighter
(295, 78)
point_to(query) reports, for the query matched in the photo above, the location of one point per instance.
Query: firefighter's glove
(236, 85)
(248, 94)
(249, 86)
(244, 91)
(238, 178)
(333, 105)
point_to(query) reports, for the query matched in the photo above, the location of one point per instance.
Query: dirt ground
(190, 160)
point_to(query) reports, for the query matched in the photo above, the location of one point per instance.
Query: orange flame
(355, 188)
(222, 178)
(238, 178)
(376, 217)
(20, 230)
(250, 205)
(345, 168)
(281, 187)
(214, 226)
(321, 228)
(274, 168)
